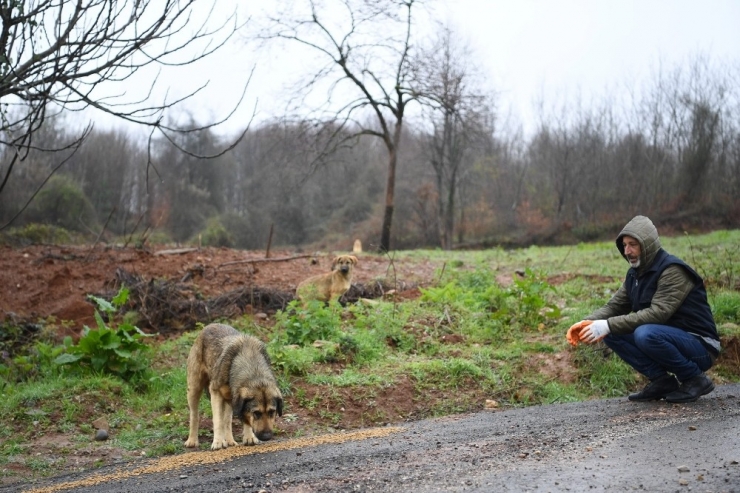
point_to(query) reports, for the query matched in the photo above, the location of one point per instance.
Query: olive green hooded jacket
(674, 284)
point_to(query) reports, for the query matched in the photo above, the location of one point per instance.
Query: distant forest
(672, 152)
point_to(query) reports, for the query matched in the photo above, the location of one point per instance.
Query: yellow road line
(173, 462)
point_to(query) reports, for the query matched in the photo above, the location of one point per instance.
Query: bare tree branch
(68, 55)
(363, 48)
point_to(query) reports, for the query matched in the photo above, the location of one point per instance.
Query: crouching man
(659, 321)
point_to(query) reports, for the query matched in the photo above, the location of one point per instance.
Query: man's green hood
(643, 230)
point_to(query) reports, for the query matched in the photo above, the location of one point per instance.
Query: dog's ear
(236, 406)
(240, 404)
(334, 263)
(353, 259)
(279, 405)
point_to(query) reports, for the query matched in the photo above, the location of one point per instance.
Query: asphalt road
(606, 445)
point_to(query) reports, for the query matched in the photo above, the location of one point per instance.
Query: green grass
(349, 377)
(466, 339)
(726, 307)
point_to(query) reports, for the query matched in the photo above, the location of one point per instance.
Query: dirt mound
(176, 287)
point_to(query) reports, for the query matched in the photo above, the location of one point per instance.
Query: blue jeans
(655, 350)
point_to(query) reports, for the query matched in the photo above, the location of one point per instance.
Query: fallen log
(175, 251)
(262, 260)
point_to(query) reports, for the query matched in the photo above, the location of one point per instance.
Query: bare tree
(60, 55)
(460, 114)
(687, 118)
(554, 149)
(364, 51)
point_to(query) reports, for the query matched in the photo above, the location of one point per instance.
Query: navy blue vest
(694, 315)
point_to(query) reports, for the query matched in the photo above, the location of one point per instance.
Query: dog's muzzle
(264, 435)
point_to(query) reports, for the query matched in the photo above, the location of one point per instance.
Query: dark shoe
(691, 389)
(656, 389)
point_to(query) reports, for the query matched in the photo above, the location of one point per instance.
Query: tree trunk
(385, 238)
(449, 219)
(390, 188)
(440, 207)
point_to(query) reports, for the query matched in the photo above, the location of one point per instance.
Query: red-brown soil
(37, 282)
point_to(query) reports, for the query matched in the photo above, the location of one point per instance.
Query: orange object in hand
(574, 333)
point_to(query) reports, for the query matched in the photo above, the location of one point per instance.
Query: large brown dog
(236, 370)
(331, 285)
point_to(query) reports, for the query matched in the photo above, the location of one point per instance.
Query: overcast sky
(530, 49)
(564, 47)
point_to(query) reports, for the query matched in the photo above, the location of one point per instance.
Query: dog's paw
(219, 444)
(191, 442)
(251, 440)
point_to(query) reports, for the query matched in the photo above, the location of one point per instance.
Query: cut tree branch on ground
(176, 251)
(262, 260)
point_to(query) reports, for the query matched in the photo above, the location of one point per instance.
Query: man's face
(631, 250)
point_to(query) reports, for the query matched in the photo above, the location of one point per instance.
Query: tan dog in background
(331, 285)
(236, 370)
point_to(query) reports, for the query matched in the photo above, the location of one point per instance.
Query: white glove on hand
(595, 332)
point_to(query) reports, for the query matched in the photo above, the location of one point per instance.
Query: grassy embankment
(482, 333)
